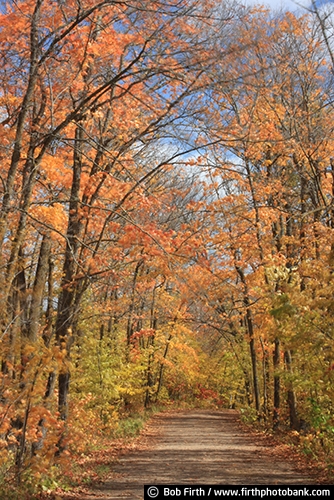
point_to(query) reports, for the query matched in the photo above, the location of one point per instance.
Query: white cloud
(278, 5)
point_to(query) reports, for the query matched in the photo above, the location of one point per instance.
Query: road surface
(198, 447)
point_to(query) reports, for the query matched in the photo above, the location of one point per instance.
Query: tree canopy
(166, 219)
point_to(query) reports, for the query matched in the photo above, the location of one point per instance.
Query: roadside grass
(80, 468)
(305, 449)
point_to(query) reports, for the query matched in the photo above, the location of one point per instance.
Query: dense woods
(166, 219)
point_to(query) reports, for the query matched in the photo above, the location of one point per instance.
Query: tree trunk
(291, 396)
(38, 288)
(67, 306)
(250, 329)
(265, 379)
(161, 370)
(277, 384)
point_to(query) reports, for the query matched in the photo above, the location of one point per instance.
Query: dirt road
(198, 447)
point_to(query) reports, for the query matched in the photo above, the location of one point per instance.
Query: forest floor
(196, 447)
